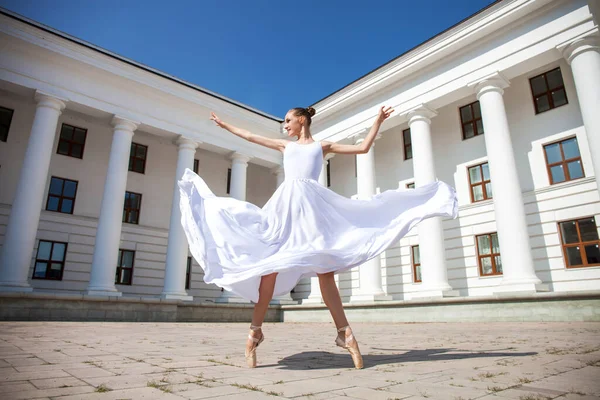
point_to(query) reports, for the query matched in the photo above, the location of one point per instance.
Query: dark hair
(305, 112)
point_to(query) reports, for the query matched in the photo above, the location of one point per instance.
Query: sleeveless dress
(303, 229)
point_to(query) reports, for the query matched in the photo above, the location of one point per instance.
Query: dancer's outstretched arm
(277, 144)
(362, 148)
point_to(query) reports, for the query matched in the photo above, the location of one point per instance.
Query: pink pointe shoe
(349, 343)
(251, 354)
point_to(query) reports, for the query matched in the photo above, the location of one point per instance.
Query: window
(410, 185)
(415, 255)
(548, 91)
(580, 242)
(131, 209)
(188, 272)
(488, 253)
(72, 141)
(195, 166)
(563, 161)
(5, 120)
(479, 181)
(50, 260)
(228, 180)
(124, 267)
(407, 144)
(470, 118)
(328, 173)
(137, 158)
(61, 195)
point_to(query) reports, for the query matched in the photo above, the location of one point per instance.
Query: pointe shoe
(251, 354)
(351, 345)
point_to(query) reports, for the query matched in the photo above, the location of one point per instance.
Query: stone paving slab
(445, 361)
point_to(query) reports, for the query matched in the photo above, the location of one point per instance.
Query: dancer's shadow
(325, 360)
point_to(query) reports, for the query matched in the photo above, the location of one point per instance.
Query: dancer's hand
(219, 123)
(384, 113)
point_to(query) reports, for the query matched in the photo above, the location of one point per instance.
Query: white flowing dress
(303, 230)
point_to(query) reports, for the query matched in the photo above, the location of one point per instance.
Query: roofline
(133, 63)
(406, 52)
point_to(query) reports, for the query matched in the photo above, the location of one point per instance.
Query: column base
(285, 299)
(228, 297)
(369, 298)
(7, 287)
(434, 294)
(177, 296)
(509, 289)
(313, 300)
(104, 293)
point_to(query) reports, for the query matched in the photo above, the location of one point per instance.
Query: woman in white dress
(304, 230)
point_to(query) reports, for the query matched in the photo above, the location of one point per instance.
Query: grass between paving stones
(255, 389)
(102, 388)
(163, 388)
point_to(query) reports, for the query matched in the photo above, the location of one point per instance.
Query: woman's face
(293, 124)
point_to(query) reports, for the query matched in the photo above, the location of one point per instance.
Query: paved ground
(89, 360)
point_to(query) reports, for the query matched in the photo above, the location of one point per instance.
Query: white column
(315, 290)
(370, 288)
(239, 167)
(431, 232)
(237, 190)
(284, 298)
(26, 208)
(584, 57)
(513, 237)
(108, 235)
(177, 246)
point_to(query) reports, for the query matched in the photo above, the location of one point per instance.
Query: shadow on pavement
(326, 360)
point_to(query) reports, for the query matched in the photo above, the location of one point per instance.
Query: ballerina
(303, 230)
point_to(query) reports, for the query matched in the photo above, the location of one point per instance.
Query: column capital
(44, 99)
(573, 48)
(420, 112)
(494, 82)
(119, 122)
(186, 143)
(239, 158)
(360, 136)
(329, 156)
(277, 170)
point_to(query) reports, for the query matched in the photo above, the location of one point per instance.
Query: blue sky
(269, 54)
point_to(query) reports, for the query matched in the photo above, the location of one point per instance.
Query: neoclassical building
(504, 106)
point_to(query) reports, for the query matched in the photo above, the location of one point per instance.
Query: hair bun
(311, 111)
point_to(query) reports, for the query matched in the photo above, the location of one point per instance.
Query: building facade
(503, 106)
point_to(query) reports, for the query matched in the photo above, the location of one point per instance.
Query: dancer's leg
(333, 301)
(265, 294)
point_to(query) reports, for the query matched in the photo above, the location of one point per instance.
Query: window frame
(50, 261)
(580, 244)
(120, 267)
(133, 157)
(482, 183)
(71, 142)
(12, 114)
(61, 197)
(548, 92)
(405, 146)
(127, 210)
(228, 188)
(415, 265)
(473, 122)
(188, 273)
(492, 255)
(563, 162)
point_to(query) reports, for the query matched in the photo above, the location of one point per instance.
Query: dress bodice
(303, 161)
